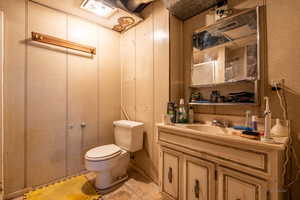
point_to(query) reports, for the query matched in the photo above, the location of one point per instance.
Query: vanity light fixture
(98, 7)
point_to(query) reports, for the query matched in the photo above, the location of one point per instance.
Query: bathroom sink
(209, 129)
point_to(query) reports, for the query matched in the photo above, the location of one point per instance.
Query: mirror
(226, 51)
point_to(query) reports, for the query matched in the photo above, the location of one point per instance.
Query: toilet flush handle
(83, 124)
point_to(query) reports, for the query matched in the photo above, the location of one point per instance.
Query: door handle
(197, 189)
(70, 126)
(83, 125)
(170, 175)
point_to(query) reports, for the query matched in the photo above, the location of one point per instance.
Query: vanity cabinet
(195, 165)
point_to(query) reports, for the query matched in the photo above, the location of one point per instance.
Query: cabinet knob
(197, 189)
(170, 175)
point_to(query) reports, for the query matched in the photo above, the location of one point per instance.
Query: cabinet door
(170, 173)
(238, 186)
(199, 177)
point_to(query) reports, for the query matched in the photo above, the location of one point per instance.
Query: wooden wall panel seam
(98, 87)
(26, 97)
(67, 100)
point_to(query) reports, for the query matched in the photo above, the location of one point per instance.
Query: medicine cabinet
(227, 53)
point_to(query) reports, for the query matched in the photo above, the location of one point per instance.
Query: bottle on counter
(176, 113)
(254, 122)
(191, 115)
(171, 112)
(248, 119)
(182, 114)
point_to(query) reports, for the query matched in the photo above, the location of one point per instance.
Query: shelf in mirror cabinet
(225, 83)
(222, 104)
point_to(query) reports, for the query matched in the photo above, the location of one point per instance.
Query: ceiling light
(98, 7)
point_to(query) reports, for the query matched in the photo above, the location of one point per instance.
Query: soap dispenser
(279, 130)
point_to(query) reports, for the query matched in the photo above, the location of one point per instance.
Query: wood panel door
(170, 173)
(199, 179)
(233, 185)
(82, 94)
(46, 103)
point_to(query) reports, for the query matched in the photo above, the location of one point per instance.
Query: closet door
(46, 98)
(82, 94)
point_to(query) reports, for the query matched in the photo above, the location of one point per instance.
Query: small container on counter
(254, 122)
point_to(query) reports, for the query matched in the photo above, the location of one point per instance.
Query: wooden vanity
(209, 163)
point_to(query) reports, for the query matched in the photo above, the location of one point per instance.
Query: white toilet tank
(129, 135)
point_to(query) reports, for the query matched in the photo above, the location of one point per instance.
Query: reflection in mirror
(226, 51)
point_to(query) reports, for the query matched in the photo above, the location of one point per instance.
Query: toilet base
(104, 182)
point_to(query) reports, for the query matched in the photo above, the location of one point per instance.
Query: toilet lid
(103, 152)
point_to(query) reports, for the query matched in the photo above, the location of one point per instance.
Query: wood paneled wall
(14, 92)
(176, 59)
(145, 79)
(50, 91)
(1, 91)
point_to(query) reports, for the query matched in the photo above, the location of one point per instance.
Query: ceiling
(184, 9)
(73, 7)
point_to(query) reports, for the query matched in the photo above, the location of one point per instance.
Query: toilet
(110, 162)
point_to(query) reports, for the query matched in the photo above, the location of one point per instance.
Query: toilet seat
(104, 152)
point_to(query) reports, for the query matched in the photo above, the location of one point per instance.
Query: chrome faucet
(219, 123)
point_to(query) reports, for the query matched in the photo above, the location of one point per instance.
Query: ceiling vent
(99, 7)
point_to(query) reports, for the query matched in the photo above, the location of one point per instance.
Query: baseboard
(16, 194)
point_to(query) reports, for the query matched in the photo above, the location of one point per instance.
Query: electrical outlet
(277, 84)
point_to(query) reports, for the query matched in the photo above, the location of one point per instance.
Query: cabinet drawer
(225, 153)
(170, 174)
(237, 186)
(199, 179)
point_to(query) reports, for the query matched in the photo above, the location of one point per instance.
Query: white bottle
(182, 115)
(267, 133)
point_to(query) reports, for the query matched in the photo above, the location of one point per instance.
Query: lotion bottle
(182, 115)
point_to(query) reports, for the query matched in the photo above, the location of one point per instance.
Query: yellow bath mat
(76, 188)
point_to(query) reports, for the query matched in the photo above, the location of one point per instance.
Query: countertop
(279, 143)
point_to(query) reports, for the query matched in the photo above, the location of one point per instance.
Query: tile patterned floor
(137, 187)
